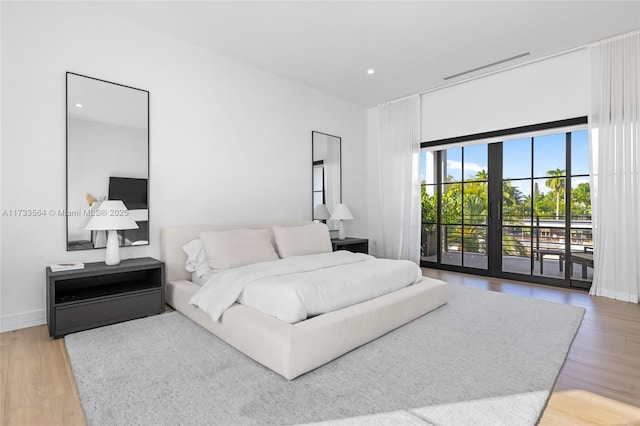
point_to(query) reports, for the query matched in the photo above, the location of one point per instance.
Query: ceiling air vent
(487, 66)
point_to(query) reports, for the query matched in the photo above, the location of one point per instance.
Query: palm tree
(482, 175)
(556, 184)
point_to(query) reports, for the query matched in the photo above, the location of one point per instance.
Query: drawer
(96, 313)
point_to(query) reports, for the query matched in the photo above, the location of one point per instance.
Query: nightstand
(356, 245)
(100, 294)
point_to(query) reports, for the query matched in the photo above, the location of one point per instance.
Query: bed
(292, 349)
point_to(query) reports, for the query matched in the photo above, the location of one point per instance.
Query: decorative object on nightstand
(341, 212)
(99, 295)
(111, 216)
(321, 213)
(66, 266)
(355, 245)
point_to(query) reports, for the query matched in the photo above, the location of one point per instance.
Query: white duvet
(299, 287)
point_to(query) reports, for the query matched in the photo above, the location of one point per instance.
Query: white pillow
(237, 247)
(202, 279)
(300, 240)
(196, 258)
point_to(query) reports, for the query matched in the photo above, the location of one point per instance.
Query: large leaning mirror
(327, 176)
(107, 158)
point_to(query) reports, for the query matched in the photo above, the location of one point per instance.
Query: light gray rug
(166, 369)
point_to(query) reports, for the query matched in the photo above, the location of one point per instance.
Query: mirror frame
(313, 163)
(148, 162)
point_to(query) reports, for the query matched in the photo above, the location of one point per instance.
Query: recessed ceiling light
(370, 71)
(78, 105)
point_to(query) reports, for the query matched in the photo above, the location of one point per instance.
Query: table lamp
(111, 216)
(321, 213)
(341, 212)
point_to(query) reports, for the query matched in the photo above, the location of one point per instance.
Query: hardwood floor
(37, 386)
(36, 382)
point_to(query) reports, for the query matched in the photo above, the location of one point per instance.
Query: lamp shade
(341, 212)
(321, 212)
(110, 215)
(88, 214)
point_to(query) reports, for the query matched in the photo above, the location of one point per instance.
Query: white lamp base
(112, 255)
(341, 231)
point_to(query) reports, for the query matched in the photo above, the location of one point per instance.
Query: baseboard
(22, 320)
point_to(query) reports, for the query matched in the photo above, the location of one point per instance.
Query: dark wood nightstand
(356, 245)
(99, 294)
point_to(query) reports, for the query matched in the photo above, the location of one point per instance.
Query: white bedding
(299, 287)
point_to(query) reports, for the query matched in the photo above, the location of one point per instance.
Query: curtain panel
(615, 162)
(398, 179)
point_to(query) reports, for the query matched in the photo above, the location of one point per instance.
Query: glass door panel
(452, 165)
(549, 252)
(516, 249)
(581, 244)
(451, 250)
(581, 254)
(451, 204)
(549, 155)
(516, 158)
(475, 247)
(517, 206)
(429, 237)
(516, 202)
(580, 153)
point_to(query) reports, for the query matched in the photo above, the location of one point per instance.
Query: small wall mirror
(327, 176)
(107, 158)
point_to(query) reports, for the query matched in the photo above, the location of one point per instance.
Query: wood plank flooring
(37, 386)
(36, 381)
(568, 408)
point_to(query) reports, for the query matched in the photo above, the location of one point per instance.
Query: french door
(517, 208)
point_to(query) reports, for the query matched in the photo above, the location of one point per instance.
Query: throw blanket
(295, 288)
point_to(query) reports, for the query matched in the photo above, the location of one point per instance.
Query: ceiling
(411, 45)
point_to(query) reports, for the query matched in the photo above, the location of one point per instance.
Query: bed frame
(293, 349)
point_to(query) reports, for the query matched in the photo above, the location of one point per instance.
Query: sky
(548, 152)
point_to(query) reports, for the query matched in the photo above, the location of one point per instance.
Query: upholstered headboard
(174, 237)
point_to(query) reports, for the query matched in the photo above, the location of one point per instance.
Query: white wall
(548, 90)
(229, 143)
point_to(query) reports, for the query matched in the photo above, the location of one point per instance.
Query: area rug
(166, 369)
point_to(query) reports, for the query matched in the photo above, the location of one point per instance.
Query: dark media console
(99, 295)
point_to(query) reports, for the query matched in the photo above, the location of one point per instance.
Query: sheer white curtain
(398, 179)
(615, 161)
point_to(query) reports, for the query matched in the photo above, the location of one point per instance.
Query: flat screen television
(131, 191)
